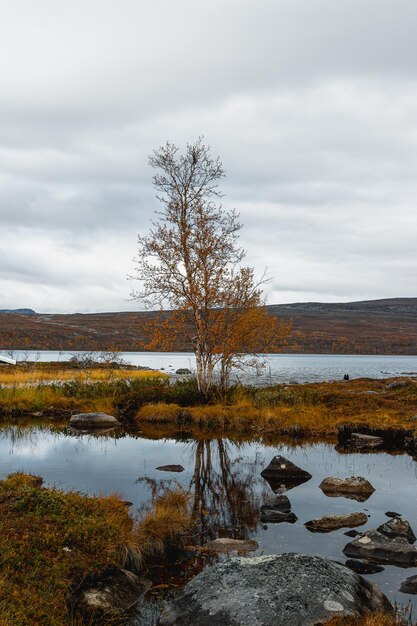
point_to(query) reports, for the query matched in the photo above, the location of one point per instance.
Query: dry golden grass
(168, 518)
(21, 377)
(159, 412)
(372, 619)
(312, 410)
(20, 400)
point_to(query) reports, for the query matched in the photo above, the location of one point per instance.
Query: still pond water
(224, 482)
(278, 368)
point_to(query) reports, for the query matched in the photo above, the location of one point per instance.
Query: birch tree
(190, 262)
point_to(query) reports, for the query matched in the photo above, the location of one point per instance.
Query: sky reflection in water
(225, 482)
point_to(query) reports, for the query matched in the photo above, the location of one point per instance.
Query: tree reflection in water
(225, 493)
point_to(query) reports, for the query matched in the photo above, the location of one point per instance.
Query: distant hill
(369, 327)
(19, 311)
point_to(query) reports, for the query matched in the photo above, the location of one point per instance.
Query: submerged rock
(358, 441)
(355, 488)
(389, 543)
(280, 590)
(115, 590)
(327, 523)
(409, 585)
(363, 567)
(277, 510)
(352, 533)
(282, 473)
(392, 514)
(84, 421)
(224, 544)
(170, 468)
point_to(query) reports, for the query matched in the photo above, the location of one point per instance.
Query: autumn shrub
(183, 393)
(284, 395)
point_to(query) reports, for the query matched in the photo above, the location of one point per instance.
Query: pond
(277, 368)
(224, 481)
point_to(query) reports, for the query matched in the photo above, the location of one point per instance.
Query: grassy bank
(318, 409)
(51, 541)
(61, 391)
(143, 398)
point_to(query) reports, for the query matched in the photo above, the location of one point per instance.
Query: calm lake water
(225, 485)
(278, 368)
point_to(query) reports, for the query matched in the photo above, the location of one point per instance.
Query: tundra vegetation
(52, 541)
(191, 262)
(149, 398)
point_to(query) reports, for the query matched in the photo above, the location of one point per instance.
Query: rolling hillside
(369, 327)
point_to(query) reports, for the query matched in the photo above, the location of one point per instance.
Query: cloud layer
(312, 107)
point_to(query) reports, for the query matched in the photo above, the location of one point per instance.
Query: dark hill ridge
(19, 311)
(370, 327)
(399, 305)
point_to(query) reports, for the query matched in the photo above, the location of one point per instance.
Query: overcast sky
(311, 105)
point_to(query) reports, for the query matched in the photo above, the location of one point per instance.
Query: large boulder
(327, 523)
(283, 473)
(389, 543)
(87, 421)
(353, 487)
(277, 590)
(277, 510)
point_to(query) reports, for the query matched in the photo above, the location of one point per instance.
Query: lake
(225, 485)
(278, 368)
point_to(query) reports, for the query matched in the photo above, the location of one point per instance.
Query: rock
(409, 585)
(352, 533)
(392, 514)
(170, 468)
(277, 510)
(183, 371)
(398, 527)
(354, 488)
(115, 590)
(363, 567)
(327, 523)
(283, 473)
(397, 384)
(389, 543)
(279, 502)
(279, 590)
(358, 441)
(224, 544)
(85, 421)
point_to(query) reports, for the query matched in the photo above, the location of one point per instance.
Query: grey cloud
(312, 107)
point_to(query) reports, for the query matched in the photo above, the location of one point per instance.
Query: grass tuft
(169, 518)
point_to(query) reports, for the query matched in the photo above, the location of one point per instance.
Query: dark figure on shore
(346, 377)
